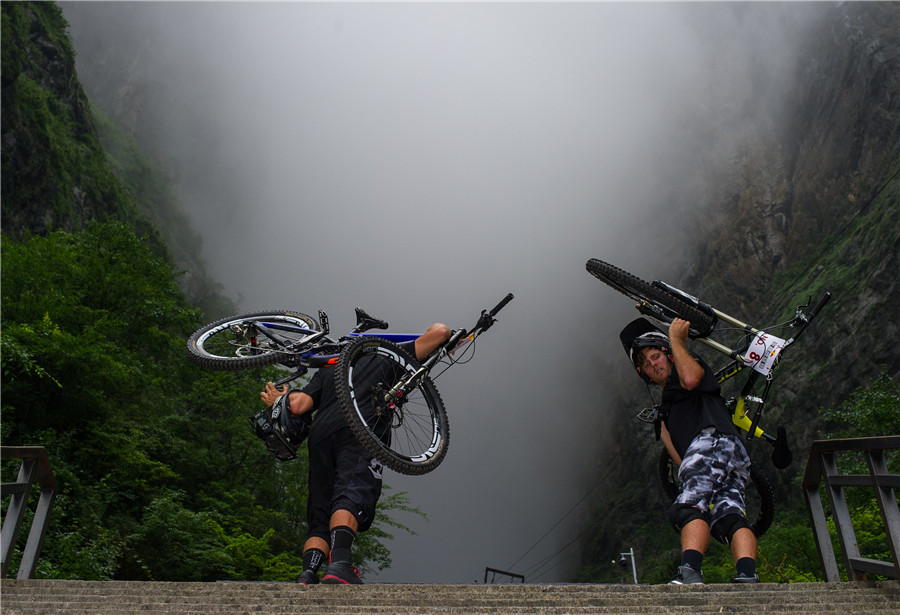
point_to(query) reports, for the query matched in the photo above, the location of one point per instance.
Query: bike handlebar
(825, 298)
(499, 306)
(486, 320)
(807, 318)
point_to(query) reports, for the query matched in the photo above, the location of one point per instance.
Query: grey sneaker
(685, 575)
(746, 578)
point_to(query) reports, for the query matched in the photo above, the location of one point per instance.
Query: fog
(421, 161)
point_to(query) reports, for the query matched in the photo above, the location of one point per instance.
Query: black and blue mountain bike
(400, 420)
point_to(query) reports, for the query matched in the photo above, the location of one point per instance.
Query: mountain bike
(758, 350)
(387, 396)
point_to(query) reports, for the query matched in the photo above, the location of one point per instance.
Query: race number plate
(762, 355)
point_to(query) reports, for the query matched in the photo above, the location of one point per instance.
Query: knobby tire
(411, 437)
(760, 506)
(235, 343)
(635, 288)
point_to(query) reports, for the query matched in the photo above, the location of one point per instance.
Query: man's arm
(433, 337)
(690, 372)
(667, 440)
(299, 402)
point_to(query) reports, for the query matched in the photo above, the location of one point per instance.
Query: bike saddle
(364, 322)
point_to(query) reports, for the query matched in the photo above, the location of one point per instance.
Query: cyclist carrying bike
(344, 479)
(702, 440)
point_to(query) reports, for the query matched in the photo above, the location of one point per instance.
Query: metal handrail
(822, 467)
(35, 466)
(496, 571)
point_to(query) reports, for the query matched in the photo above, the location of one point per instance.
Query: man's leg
(340, 569)
(694, 542)
(695, 536)
(318, 509)
(743, 548)
(729, 518)
(315, 550)
(356, 494)
(689, 514)
(743, 544)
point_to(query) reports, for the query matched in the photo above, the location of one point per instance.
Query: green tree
(160, 475)
(871, 410)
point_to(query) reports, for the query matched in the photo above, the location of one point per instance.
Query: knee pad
(725, 527)
(682, 514)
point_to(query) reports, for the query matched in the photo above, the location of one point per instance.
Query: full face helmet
(640, 334)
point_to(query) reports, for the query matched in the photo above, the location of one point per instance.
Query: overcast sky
(421, 160)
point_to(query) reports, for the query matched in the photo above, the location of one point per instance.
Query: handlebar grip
(825, 298)
(500, 305)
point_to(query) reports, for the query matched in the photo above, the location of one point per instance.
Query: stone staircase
(41, 597)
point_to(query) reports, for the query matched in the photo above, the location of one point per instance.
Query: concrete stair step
(40, 597)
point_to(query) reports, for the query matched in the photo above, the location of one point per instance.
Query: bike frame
(738, 357)
(319, 350)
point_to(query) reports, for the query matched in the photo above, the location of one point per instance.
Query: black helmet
(640, 334)
(652, 339)
(282, 433)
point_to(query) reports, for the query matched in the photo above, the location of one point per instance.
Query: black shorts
(342, 476)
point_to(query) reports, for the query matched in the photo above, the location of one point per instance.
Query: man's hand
(272, 393)
(678, 330)
(298, 404)
(690, 373)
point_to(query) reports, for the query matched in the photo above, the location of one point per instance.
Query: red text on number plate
(763, 352)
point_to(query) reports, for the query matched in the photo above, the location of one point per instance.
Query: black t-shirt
(687, 413)
(329, 417)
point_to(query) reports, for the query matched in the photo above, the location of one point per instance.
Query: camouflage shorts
(713, 474)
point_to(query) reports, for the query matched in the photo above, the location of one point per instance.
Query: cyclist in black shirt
(702, 440)
(344, 479)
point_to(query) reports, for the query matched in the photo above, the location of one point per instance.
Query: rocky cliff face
(783, 183)
(798, 201)
(43, 106)
(810, 203)
(56, 175)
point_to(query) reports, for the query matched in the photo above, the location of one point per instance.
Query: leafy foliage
(160, 476)
(869, 411)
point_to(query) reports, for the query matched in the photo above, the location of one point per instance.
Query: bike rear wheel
(759, 499)
(241, 342)
(653, 299)
(409, 434)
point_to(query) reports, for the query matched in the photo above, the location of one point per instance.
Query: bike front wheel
(759, 499)
(253, 340)
(407, 431)
(654, 299)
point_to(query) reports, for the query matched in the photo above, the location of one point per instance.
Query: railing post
(822, 466)
(887, 502)
(35, 466)
(843, 524)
